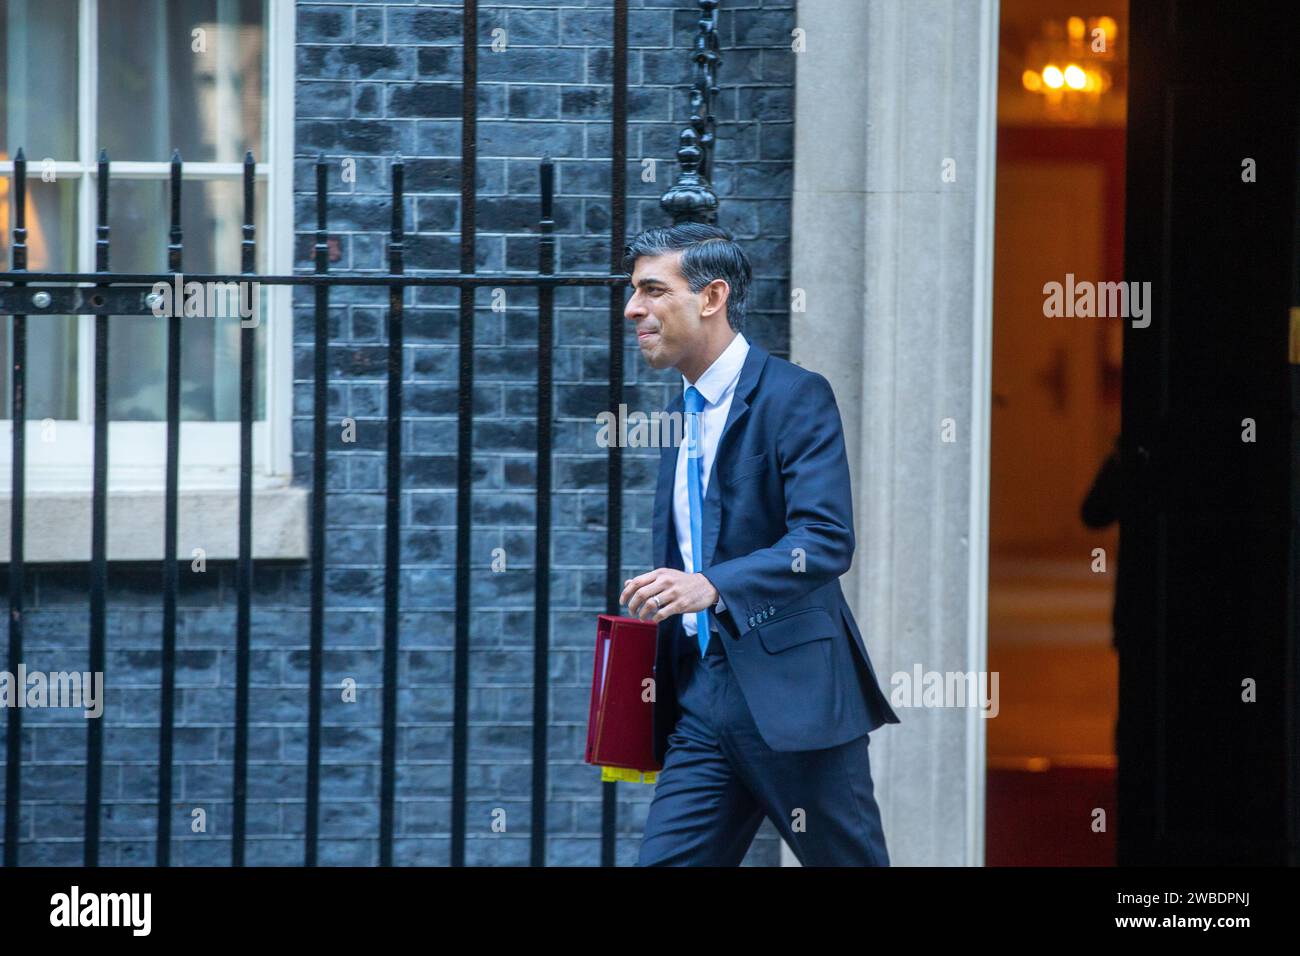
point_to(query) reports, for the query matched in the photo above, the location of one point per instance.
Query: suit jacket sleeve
(818, 512)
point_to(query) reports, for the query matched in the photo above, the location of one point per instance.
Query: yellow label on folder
(608, 774)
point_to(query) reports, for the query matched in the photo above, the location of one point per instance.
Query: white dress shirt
(717, 384)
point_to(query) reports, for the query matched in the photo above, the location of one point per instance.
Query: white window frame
(209, 451)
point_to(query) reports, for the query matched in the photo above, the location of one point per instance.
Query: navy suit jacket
(778, 533)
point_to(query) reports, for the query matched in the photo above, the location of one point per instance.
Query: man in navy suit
(764, 694)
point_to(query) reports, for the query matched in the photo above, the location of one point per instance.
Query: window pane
(38, 78)
(211, 222)
(51, 339)
(185, 74)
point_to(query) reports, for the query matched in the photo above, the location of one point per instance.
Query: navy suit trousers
(719, 780)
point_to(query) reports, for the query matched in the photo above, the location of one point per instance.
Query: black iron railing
(105, 294)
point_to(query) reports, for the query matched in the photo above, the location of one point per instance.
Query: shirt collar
(724, 371)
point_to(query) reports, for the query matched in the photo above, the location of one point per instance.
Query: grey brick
(324, 24)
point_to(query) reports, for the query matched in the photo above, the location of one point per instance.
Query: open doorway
(1055, 419)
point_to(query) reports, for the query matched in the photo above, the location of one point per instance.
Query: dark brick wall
(375, 79)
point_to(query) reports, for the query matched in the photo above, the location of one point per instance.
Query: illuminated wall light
(1031, 80)
(1052, 77)
(1075, 78)
(1108, 27)
(1097, 83)
(1075, 27)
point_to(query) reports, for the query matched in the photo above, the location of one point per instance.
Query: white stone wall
(896, 266)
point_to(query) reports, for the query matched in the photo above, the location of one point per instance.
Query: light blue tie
(694, 484)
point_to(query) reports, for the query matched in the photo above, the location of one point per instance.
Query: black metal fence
(104, 294)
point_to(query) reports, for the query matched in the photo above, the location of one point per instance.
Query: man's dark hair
(708, 253)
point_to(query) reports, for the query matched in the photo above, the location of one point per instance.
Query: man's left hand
(677, 592)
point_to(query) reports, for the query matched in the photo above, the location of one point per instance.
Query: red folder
(620, 723)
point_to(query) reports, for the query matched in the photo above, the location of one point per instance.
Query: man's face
(666, 312)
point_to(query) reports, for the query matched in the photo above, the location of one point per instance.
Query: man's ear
(716, 294)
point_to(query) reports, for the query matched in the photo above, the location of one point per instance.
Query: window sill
(56, 524)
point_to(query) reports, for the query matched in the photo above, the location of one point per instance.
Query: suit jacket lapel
(755, 358)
